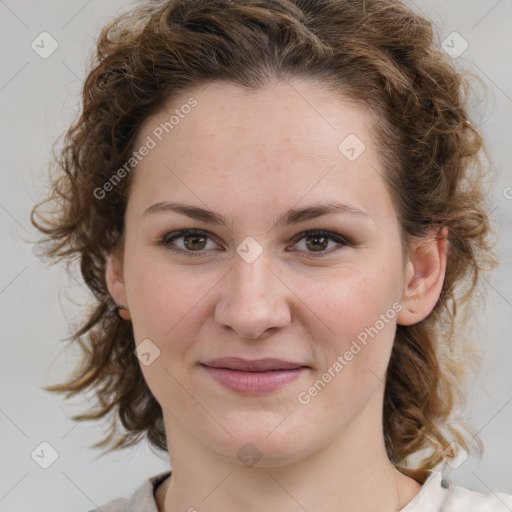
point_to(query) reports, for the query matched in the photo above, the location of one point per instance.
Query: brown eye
(194, 242)
(317, 241)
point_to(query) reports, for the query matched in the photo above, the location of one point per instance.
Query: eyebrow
(292, 216)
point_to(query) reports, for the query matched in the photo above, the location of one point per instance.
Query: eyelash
(170, 237)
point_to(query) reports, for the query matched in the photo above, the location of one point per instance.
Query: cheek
(353, 363)
(357, 310)
(348, 302)
(165, 300)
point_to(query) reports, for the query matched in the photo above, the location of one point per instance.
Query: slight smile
(254, 377)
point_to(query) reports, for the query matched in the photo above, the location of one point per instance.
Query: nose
(254, 300)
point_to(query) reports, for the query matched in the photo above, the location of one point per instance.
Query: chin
(256, 445)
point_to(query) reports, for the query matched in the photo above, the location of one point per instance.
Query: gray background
(38, 99)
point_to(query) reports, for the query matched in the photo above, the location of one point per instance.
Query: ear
(424, 278)
(115, 282)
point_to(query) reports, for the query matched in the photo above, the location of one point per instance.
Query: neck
(406, 489)
(352, 473)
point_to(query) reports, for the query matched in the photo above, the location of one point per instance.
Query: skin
(252, 156)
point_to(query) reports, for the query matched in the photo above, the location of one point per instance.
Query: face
(320, 292)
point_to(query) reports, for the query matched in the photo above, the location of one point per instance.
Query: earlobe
(424, 280)
(115, 284)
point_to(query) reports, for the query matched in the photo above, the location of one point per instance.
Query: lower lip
(254, 383)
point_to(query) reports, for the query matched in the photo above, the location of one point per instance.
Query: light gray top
(438, 494)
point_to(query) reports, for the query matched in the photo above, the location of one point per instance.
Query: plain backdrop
(38, 99)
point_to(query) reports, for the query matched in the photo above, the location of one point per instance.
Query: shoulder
(117, 505)
(142, 500)
(439, 494)
(473, 501)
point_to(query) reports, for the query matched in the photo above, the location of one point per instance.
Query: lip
(255, 365)
(253, 377)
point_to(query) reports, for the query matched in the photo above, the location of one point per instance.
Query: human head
(383, 60)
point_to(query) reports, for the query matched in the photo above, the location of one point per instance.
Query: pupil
(194, 239)
(316, 238)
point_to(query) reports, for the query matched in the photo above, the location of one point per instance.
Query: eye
(317, 241)
(195, 241)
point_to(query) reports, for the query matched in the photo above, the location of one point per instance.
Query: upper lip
(256, 365)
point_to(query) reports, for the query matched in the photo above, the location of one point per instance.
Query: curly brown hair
(380, 54)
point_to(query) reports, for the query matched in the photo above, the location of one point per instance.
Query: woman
(277, 206)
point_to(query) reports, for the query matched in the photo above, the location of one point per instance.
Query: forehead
(299, 114)
(287, 139)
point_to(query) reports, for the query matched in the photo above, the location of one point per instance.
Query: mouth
(256, 365)
(253, 377)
